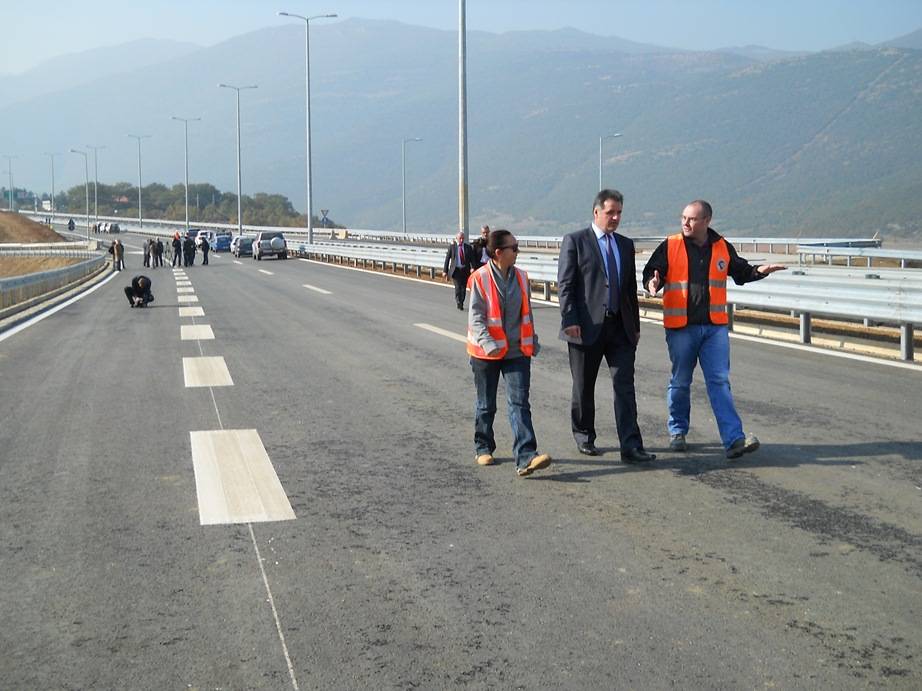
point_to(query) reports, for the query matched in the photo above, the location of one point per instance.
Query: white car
(203, 235)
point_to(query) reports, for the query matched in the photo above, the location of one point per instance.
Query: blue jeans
(517, 373)
(710, 345)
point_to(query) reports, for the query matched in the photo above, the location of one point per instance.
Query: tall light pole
(51, 156)
(601, 139)
(307, 110)
(9, 172)
(185, 122)
(462, 120)
(238, 89)
(403, 176)
(95, 181)
(86, 186)
(139, 137)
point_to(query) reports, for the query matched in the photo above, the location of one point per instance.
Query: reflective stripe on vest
(675, 295)
(483, 277)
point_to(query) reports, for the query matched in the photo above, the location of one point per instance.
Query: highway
(391, 560)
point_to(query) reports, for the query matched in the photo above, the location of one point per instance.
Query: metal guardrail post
(730, 316)
(906, 344)
(805, 320)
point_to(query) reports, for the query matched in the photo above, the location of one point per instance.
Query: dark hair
(705, 207)
(604, 196)
(497, 239)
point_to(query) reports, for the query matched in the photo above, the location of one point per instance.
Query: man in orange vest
(501, 339)
(693, 267)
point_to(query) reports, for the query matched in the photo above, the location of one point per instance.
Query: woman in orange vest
(693, 266)
(501, 339)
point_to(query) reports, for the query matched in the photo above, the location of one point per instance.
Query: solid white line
(268, 273)
(380, 273)
(37, 318)
(319, 290)
(442, 332)
(275, 614)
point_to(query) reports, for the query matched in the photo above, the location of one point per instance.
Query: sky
(65, 26)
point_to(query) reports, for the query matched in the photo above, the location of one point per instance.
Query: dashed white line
(206, 371)
(185, 289)
(238, 262)
(196, 332)
(319, 290)
(191, 312)
(268, 273)
(442, 332)
(187, 298)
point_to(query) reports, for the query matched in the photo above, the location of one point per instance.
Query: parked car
(222, 242)
(113, 228)
(205, 235)
(242, 244)
(270, 242)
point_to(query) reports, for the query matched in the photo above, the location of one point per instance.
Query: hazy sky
(55, 27)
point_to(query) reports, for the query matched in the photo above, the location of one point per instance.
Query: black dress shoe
(637, 456)
(588, 449)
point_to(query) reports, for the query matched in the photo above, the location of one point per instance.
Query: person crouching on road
(138, 293)
(693, 266)
(501, 339)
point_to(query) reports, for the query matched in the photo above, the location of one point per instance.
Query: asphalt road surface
(406, 565)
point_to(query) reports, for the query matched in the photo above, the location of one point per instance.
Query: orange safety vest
(483, 277)
(675, 294)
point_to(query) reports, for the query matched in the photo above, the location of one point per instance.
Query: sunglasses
(514, 248)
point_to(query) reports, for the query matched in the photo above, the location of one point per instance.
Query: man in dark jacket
(205, 248)
(458, 262)
(177, 250)
(138, 293)
(188, 251)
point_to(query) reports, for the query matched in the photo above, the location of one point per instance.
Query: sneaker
(743, 445)
(677, 443)
(485, 459)
(537, 463)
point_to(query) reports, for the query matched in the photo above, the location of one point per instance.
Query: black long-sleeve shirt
(699, 263)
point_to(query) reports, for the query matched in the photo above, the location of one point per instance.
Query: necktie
(461, 253)
(614, 298)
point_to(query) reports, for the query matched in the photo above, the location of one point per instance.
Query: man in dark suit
(458, 262)
(597, 289)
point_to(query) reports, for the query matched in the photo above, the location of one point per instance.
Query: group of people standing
(152, 249)
(184, 250)
(600, 318)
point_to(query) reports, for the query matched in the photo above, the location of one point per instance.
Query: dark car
(222, 242)
(242, 245)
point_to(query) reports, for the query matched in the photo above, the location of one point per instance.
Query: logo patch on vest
(721, 264)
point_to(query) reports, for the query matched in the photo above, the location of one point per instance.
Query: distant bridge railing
(893, 297)
(850, 254)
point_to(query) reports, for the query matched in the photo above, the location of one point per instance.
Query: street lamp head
(77, 151)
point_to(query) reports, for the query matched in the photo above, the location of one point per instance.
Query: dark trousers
(129, 293)
(177, 258)
(204, 258)
(459, 278)
(585, 361)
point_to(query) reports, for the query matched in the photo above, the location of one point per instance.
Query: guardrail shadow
(706, 458)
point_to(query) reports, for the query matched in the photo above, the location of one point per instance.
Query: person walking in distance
(117, 250)
(481, 254)
(177, 250)
(158, 252)
(501, 339)
(205, 249)
(693, 267)
(457, 267)
(597, 291)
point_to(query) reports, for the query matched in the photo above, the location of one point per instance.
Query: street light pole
(86, 186)
(238, 89)
(307, 111)
(185, 122)
(51, 156)
(462, 120)
(9, 170)
(607, 136)
(139, 137)
(95, 181)
(403, 176)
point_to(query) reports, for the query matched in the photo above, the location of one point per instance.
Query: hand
(654, 283)
(574, 331)
(766, 269)
(494, 352)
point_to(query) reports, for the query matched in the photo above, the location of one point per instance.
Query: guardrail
(904, 256)
(48, 249)
(894, 298)
(21, 292)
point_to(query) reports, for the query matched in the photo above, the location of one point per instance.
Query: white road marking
(196, 332)
(206, 371)
(319, 290)
(302, 259)
(183, 284)
(268, 273)
(185, 289)
(238, 262)
(187, 298)
(234, 479)
(44, 315)
(191, 312)
(442, 332)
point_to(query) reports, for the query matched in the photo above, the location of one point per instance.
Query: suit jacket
(582, 287)
(451, 258)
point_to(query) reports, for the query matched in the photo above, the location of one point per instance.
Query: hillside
(827, 143)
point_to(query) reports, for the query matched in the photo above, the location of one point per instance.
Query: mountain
(822, 143)
(76, 69)
(912, 41)
(761, 53)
